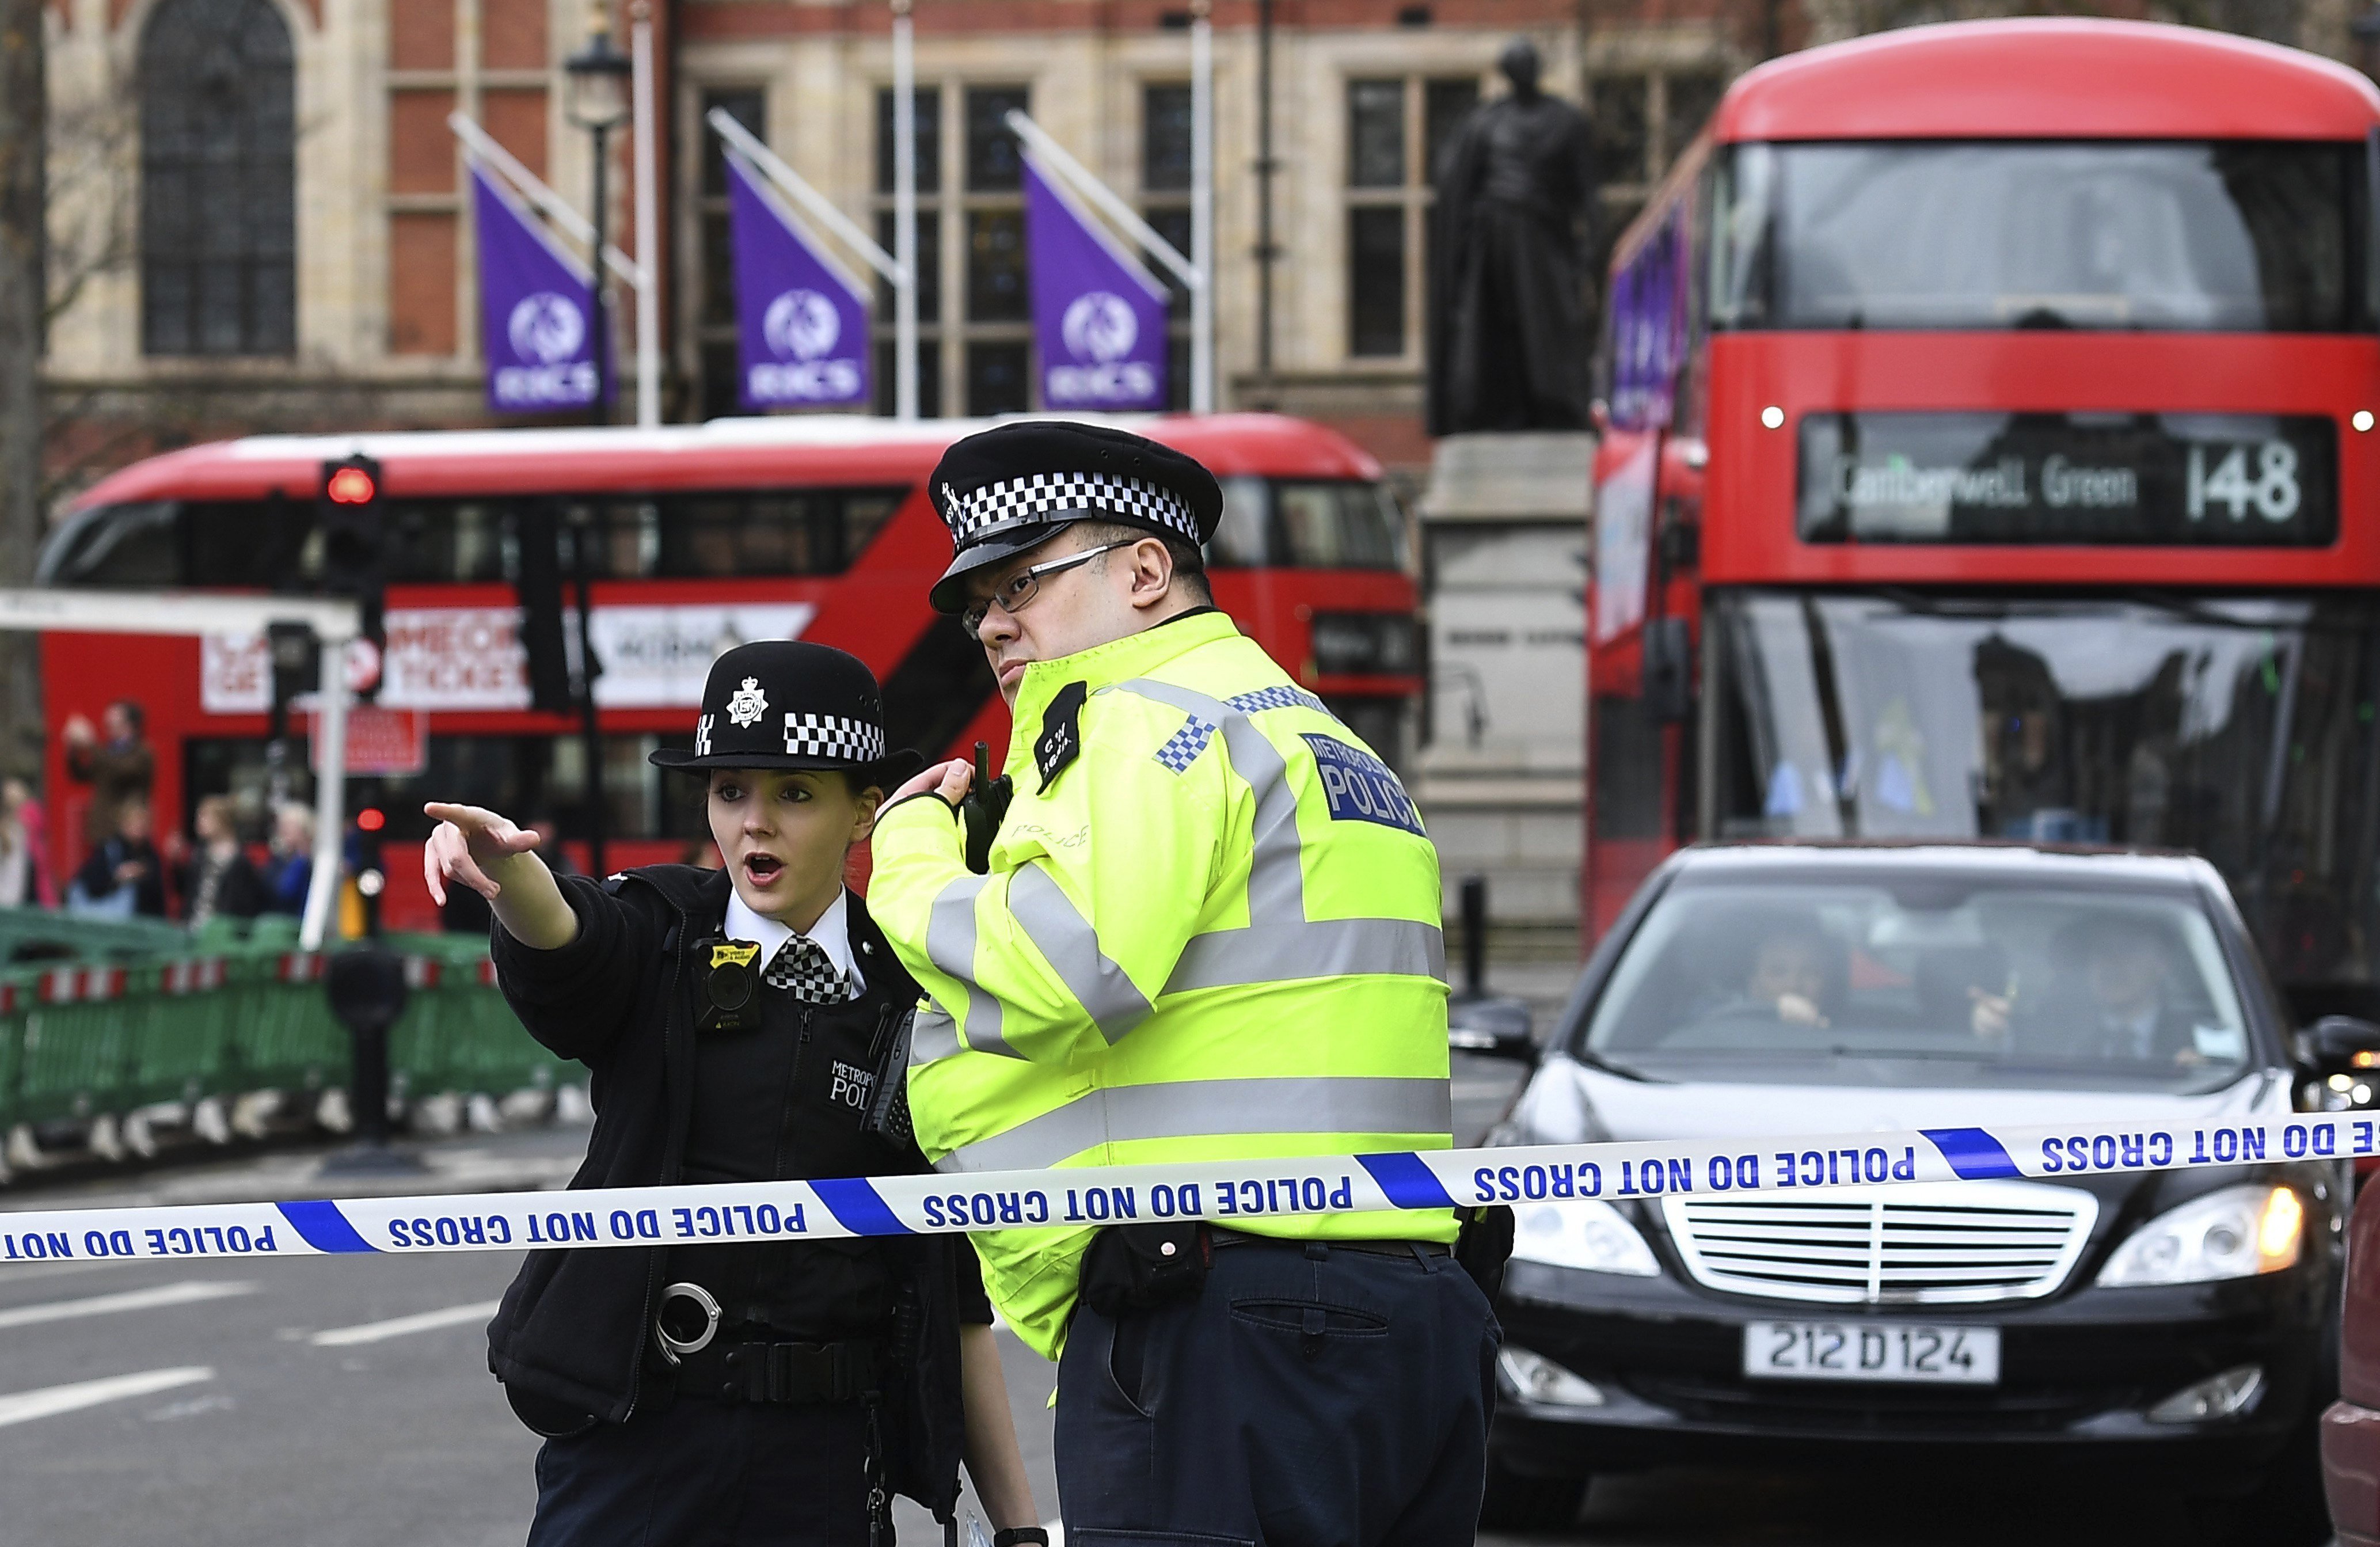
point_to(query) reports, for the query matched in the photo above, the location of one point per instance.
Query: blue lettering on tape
(1360, 787)
(858, 1207)
(323, 1227)
(1409, 1183)
(1975, 1155)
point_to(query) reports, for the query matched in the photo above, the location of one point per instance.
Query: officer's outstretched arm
(1097, 886)
(489, 853)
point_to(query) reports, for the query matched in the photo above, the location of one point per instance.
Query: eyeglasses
(1025, 584)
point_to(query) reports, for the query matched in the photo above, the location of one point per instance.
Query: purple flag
(801, 319)
(1098, 316)
(537, 307)
(1648, 327)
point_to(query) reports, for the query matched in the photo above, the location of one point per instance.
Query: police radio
(727, 972)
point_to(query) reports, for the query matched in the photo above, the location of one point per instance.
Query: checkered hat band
(1047, 496)
(831, 736)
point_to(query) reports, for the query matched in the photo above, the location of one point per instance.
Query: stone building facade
(259, 217)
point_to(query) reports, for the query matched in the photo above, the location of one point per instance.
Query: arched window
(217, 180)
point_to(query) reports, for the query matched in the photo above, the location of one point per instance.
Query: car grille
(1922, 1244)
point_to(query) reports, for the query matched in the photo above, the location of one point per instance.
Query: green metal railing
(111, 1017)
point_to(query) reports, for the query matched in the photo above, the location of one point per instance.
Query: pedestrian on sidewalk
(119, 768)
(218, 880)
(1207, 929)
(124, 876)
(741, 1025)
(24, 849)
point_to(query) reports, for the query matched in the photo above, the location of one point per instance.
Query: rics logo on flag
(1100, 327)
(801, 324)
(1100, 330)
(546, 329)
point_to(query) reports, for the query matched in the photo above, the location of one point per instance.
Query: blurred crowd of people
(128, 871)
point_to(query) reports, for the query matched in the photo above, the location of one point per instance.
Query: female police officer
(740, 1024)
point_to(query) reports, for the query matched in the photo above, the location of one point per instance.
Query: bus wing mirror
(1668, 670)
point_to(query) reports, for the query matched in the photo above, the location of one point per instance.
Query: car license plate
(1863, 1350)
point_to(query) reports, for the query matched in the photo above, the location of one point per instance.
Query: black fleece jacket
(620, 998)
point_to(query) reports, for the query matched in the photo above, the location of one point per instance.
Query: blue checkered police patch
(1360, 787)
(1181, 749)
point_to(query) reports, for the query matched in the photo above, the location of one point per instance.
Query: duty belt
(753, 1370)
(743, 1368)
(1222, 1238)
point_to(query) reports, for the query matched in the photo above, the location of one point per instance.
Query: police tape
(1242, 1193)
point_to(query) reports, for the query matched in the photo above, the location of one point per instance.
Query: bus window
(431, 541)
(132, 545)
(1239, 541)
(1339, 525)
(2208, 237)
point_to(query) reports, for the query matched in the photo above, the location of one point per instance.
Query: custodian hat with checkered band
(789, 703)
(1011, 488)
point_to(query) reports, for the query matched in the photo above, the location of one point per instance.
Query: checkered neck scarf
(802, 967)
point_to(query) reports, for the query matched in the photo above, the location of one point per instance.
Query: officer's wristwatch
(1017, 1535)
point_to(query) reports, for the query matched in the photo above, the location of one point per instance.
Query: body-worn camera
(727, 973)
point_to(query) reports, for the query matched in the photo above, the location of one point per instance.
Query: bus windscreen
(2225, 237)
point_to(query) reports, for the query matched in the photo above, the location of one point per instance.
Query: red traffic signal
(351, 485)
(371, 819)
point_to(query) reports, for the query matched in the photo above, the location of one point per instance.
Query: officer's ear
(864, 802)
(1152, 571)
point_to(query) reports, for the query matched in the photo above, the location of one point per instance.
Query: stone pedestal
(1501, 775)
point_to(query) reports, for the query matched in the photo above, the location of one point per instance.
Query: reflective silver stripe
(933, 1036)
(1280, 944)
(1059, 930)
(1199, 1108)
(950, 945)
(1319, 948)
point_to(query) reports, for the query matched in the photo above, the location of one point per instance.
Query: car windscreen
(1934, 979)
(2254, 235)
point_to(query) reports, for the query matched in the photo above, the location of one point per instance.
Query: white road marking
(428, 1321)
(188, 1293)
(25, 1406)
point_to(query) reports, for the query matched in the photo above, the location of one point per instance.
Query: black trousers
(1308, 1398)
(709, 1474)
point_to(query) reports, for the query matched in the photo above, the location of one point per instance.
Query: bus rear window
(1308, 524)
(2236, 237)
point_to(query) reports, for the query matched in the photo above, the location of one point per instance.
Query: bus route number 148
(2229, 486)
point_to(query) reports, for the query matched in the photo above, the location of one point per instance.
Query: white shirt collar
(832, 932)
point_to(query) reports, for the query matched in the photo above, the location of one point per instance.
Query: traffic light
(354, 548)
(537, 580)
(296, 668)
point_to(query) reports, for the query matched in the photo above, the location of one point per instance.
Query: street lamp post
(597, 102)
(599, 76)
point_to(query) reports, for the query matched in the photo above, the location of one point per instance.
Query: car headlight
(2237, 1233)
(1583, 1233)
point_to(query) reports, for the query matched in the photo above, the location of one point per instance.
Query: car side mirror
(2340, 1044)
(1495, 1027)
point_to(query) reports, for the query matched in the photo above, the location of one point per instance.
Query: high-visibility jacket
(1210, 931)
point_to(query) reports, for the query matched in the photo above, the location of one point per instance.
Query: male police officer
(1209, 931)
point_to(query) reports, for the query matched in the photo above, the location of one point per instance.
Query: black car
(2176, 1324)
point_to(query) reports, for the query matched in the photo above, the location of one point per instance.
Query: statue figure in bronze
(1508, 335)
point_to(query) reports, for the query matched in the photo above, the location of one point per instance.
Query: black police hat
(1012, 488)
(789, 703)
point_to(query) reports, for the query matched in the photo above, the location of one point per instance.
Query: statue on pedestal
(1507, 334)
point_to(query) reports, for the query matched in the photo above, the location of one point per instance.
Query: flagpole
(1202, 206)
(766, 163)
(905, 213)
(1054, 156)
(530, 186)
(648, 315)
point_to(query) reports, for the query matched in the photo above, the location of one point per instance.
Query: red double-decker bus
(1990, 455)
(818, 527)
